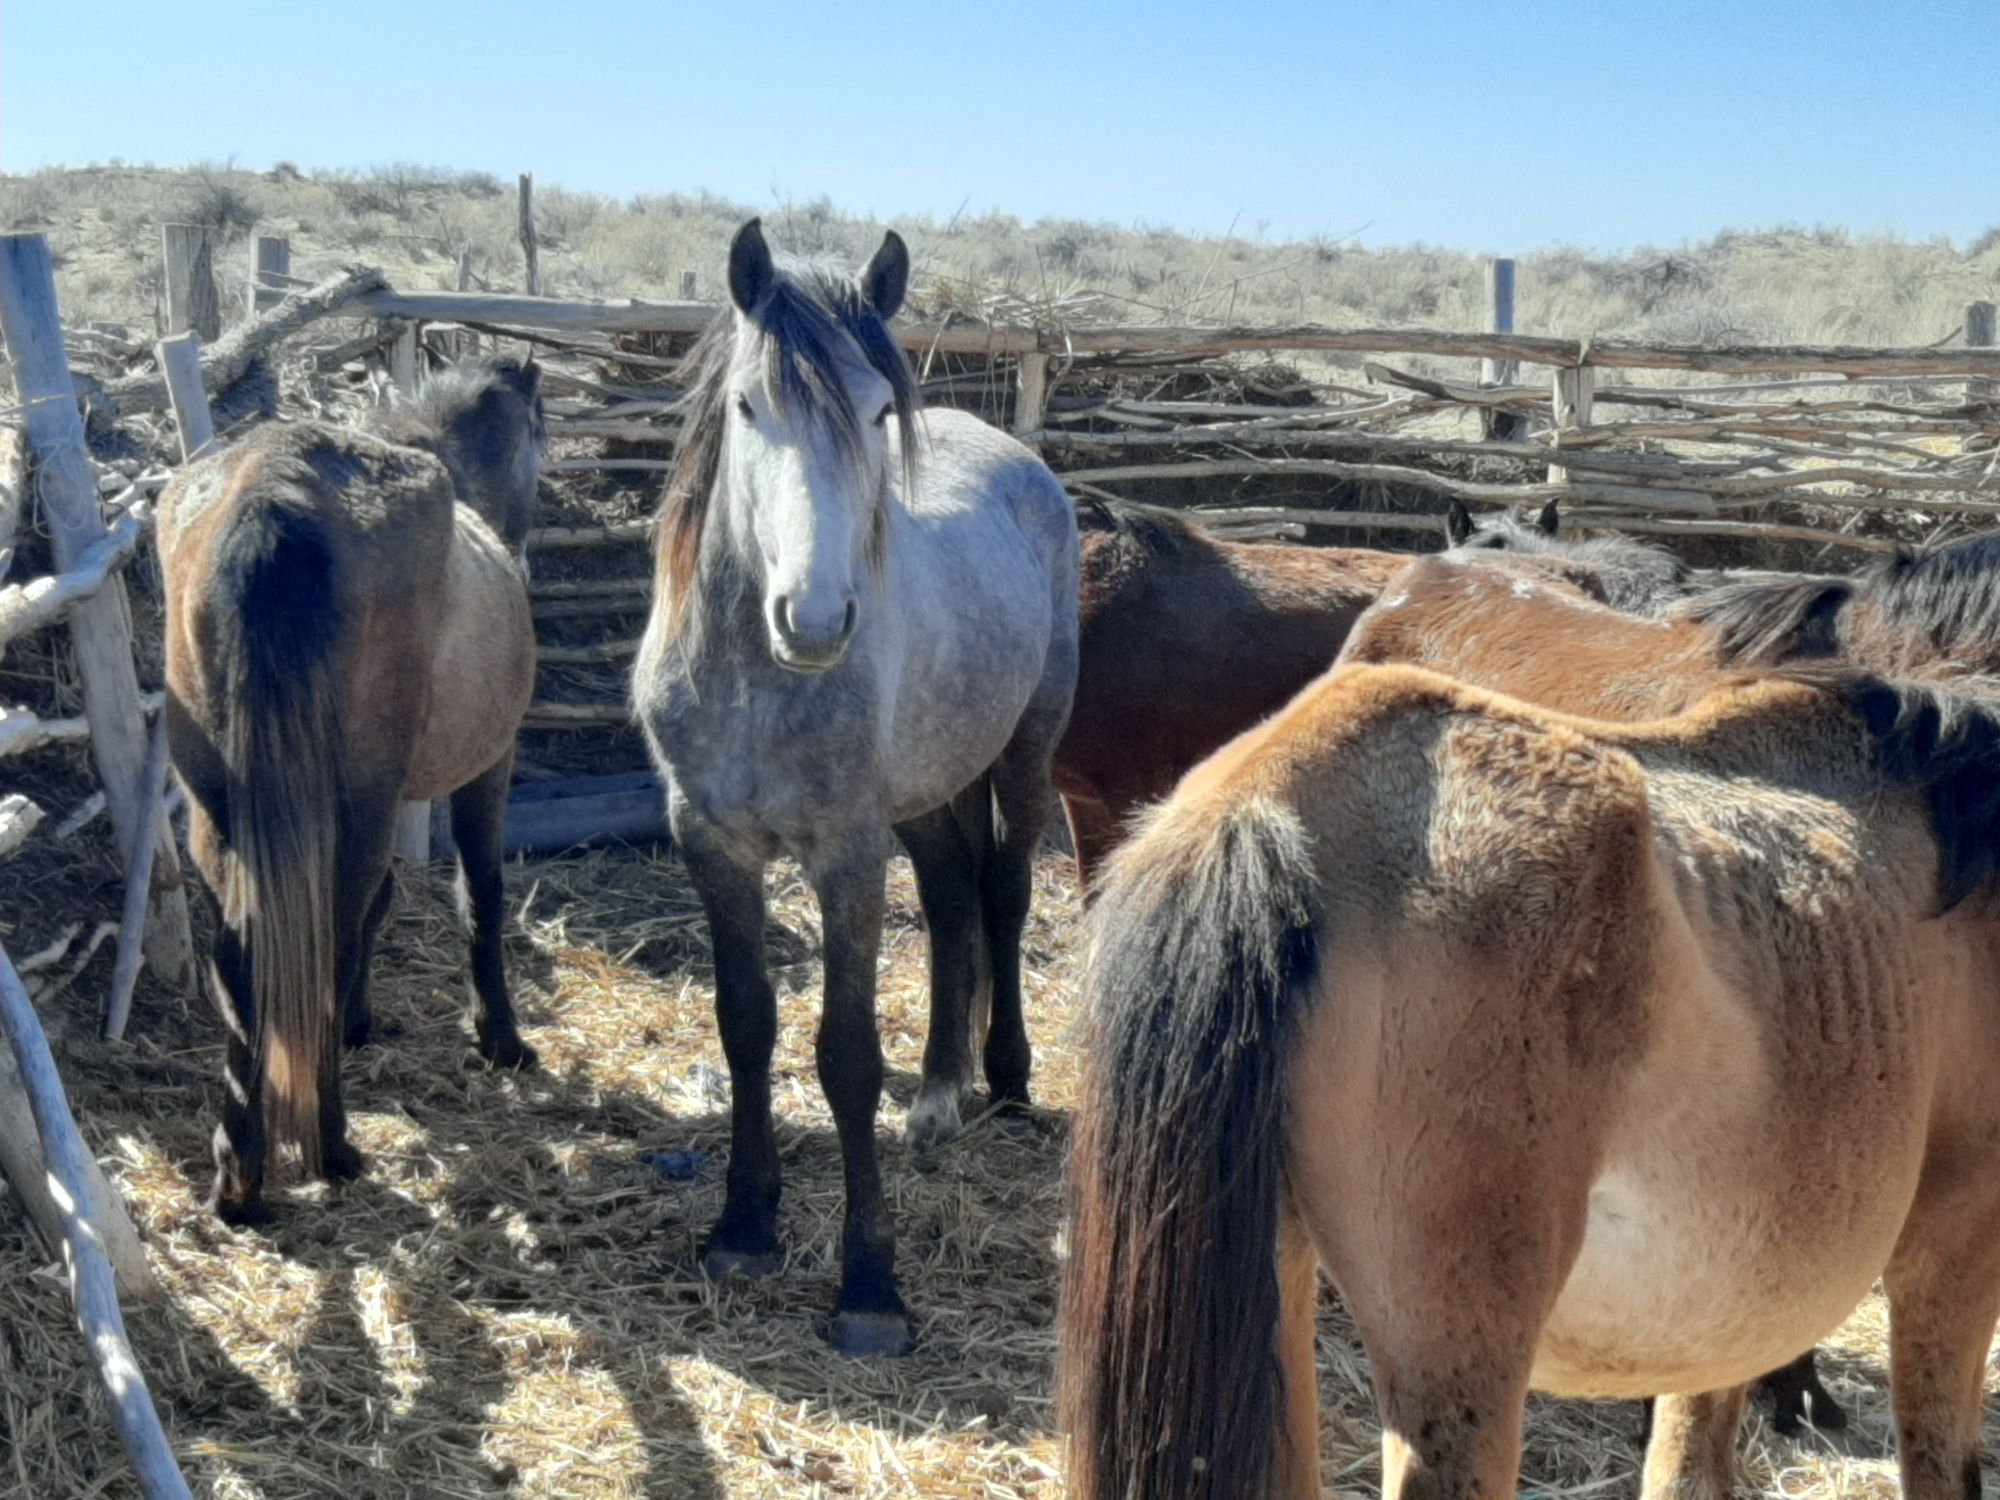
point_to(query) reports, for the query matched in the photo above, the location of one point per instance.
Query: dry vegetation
(508, 1303)
(1767, 286)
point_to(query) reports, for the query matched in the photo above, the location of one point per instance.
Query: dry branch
(93, 1285)
(33, 606)
(230, 357)
(589, 536)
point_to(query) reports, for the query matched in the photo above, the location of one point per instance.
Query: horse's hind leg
(948, 887)
(1691, 1454)
(477, 812)
(359, 1014)
(362, 891)
(242, 1143)
(1944, 1296)
(1021, 791)
(1298, 1307)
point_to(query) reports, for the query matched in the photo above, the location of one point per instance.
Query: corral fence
(1815, 451)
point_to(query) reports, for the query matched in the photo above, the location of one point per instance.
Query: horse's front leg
(870, 1317)
(744, 1241)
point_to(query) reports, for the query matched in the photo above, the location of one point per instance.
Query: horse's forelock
(799, 330)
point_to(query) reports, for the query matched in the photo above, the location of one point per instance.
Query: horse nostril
(853, 618)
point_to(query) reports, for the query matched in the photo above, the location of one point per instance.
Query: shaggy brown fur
(1188, 640)
(1479, 1002)
(346, 627)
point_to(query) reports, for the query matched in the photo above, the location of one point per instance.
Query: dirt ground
(508, 1304)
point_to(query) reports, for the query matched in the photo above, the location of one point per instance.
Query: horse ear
(750, 270)
(1549, 522)
(530, 383)
(887, 277)
(1457, 523)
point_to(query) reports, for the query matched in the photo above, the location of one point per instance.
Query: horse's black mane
(1151, 528)
(1948, 600)
(1945, 741)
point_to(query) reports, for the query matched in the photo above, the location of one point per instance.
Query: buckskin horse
(347, 626)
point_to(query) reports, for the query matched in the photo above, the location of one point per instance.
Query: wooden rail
(574, 316)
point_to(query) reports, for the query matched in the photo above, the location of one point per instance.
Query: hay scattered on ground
(508, 1302)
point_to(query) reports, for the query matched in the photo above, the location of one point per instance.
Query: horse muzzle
(801, 643)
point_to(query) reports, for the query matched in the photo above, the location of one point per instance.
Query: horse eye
(882, 416)
(743, 409)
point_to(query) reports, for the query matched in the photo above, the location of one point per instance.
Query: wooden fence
(1819, 445)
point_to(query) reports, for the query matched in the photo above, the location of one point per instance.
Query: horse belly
(1717, 1245)
(483, 670)
(963, 690)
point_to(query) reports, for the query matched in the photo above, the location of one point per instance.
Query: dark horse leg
(1799, 1399)
(744, 1241)
(870, 1317)
(242, 1143)
(948, 886)
(477, 811)
(359, 1014)
(1020, 780)
(362, 892)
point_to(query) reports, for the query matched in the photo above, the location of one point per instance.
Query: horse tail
(1202, 953)
(276, 629)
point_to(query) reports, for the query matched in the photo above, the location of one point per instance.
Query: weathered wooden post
(101, 625)
(413, 820)
(1980, 333)
(528, 245)
(189, 255)
(690, 285)
(92, 1282)
(180, 362)
(270, 271)
(1575, 386)
(1501, 426)
(466, 345)
(1031, 395)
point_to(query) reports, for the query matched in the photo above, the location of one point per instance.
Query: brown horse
(1188, 640)
(1477, 1004)
(347, 627)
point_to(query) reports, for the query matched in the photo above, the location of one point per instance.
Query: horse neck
(487, 496)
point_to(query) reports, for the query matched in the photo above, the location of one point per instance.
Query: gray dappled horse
(347, 627)
(852, 641)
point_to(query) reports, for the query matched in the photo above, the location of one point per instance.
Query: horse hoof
(341, 1163)
(934, 1119)
(740, 1265)
(510, 1052)
(368, 1032)
(866, 1335)
(245, 1213)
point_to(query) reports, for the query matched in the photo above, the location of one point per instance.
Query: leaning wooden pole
(101, 625)
(93, 1287)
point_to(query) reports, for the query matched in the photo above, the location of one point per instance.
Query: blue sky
(1495, 127)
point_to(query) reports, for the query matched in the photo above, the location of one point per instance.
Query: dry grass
(508, 1302)
(1764, 286)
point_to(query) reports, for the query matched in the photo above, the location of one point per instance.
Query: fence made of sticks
(1779, 455)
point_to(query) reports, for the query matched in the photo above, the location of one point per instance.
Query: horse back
(1187, 641)
(375, 521)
